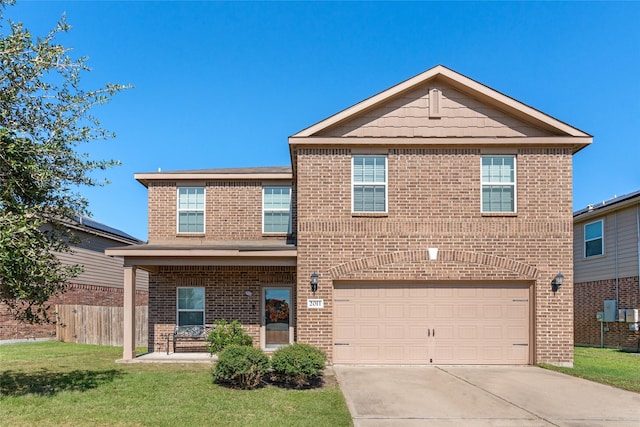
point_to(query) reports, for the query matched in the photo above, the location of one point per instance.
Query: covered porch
(235, 278)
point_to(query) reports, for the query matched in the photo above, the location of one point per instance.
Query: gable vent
(434, 103)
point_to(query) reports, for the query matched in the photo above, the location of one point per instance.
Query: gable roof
(459, 82)
(617, 202)
(99, 229)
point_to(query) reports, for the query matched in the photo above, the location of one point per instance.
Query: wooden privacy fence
(88, 324)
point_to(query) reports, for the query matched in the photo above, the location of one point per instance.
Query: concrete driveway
(481, 396)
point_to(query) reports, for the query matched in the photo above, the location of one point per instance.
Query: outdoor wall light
(314, 282)
(557, 282)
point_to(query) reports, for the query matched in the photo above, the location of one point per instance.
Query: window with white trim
(369, 184)
(498, 177)
(593, 239)
(191, 210)
(276, 210)
(190, 306)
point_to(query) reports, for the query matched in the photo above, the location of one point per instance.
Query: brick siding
(233, 211)
(434, 201)
(589, 299)
(225, 296)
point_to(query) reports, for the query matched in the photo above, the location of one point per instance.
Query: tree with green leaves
(45, 115)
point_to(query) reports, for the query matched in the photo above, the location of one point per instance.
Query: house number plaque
(315, 303)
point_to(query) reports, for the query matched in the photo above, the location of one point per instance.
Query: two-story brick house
(422, 225)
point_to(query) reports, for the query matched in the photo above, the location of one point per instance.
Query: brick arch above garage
(450, 265)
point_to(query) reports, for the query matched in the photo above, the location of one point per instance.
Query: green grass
(606, 366)
(56, 383)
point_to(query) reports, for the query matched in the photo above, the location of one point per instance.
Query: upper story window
(498, 178)
(191, 210)
(276, 210)
(593, 239)
(190, 306)
(369, 184)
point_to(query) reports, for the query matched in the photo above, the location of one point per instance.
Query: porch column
(129, 347)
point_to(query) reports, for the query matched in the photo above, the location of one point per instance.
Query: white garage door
(420, 324)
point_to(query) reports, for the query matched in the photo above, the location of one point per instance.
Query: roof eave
(146, 177)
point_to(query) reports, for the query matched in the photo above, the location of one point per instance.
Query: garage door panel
(467, 311)
(394, 311)
(416, 332)
(395, 332)
(490, 311)
(345, 310)
(415, 354)
(371, 292)
(515, 333)
(518, 352)
(393, 324)
(492, 332)
(442, 292)
(444, 311)
(345, 332)
(493, 353)
(418, 292)
(444, 332)
(466, 354)
(469, 293)
(418, 311)
(369, 332)
(443, 353)
(370, 311)
(516, 311)
(395, 292)
(370, 352)
(468, 332)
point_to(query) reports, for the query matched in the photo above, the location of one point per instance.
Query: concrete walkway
(481, 396)
(163, 357)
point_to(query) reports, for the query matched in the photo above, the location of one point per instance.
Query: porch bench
(189, 333)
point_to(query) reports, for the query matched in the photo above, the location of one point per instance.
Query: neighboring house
(100, 284)
(606, 252)
(422, 225)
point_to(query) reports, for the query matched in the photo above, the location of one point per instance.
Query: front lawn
(606, 366)
(56, 383)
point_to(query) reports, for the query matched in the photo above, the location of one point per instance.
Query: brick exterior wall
(225, 297)
(589, 299)
(434, 201)
(75, 294)
(233, 210)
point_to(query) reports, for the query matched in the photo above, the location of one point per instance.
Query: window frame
(187, 310)
(264, 211)
(584, 239)
(385, 184)
(203, 210)
(513, 184)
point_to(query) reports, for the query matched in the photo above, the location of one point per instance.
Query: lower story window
(190, 306)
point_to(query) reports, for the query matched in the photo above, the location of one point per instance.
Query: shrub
(225, 334)
(240, 366)
(297, 364)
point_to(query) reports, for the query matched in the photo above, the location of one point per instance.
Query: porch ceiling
(254, 253)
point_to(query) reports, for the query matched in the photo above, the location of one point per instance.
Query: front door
(277, 314)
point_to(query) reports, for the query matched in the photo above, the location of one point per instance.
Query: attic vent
(434, 104)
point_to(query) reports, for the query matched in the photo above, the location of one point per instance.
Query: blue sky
(224, 84)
